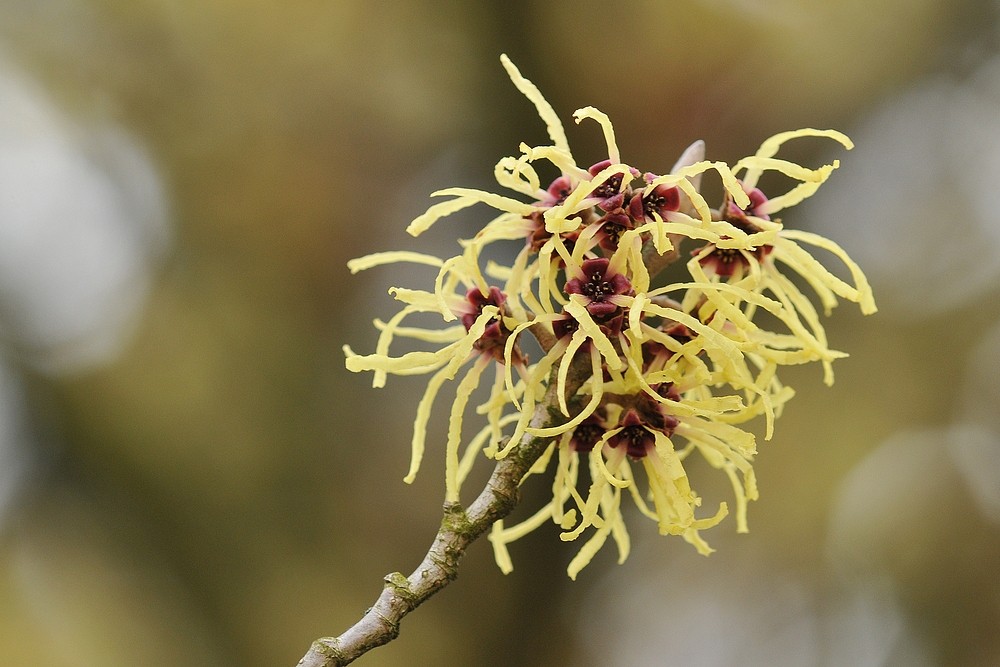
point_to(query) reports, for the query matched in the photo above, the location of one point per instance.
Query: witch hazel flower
(725, 262)
(481, 338)
(633, 379)
(647, 412)
(755, 269)
(599, 285)
(656, 204)
(639, 432)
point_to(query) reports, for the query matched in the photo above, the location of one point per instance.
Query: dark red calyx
(737, 217)
(565, 326)
(662, 200)
(558, 191)
(724, 261)
(651, 351)
(610, 191)
(613, 225)
(477, 301)
(667, 390)
(598, 286)
(494, 338)
(634, 436)
(679, 332)
(587, 434)
(656, 415)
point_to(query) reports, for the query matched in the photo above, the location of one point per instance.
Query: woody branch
(460, 527)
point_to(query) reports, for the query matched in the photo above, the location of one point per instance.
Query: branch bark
(460, 527)
(655, 262)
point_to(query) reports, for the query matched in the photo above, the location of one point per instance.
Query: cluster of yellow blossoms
(673, 369)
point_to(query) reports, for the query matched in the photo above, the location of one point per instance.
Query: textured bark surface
(460, 527)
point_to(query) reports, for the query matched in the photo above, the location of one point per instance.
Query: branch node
(400, 586)
(391, 626)
(330, 648)
(506, 497)
(456, 521)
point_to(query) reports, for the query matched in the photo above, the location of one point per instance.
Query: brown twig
(460, 527)
(655, 262)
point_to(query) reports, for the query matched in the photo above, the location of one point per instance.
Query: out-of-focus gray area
(14, 452)
(188, 474)
(742, 610)
(83, 215)
(922, 183)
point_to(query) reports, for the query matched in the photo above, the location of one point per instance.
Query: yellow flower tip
(867, 304)
(568, 536)
(352, 361)
(545, 110)
(500, 553)
(723, 512)
(702, 546)
(424, 222)
(609, 130)
(380, 258)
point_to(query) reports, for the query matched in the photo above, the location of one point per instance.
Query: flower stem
(460, 527)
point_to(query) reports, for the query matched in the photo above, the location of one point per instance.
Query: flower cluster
(672, 370)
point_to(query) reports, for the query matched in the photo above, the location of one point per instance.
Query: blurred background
(190, 477)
